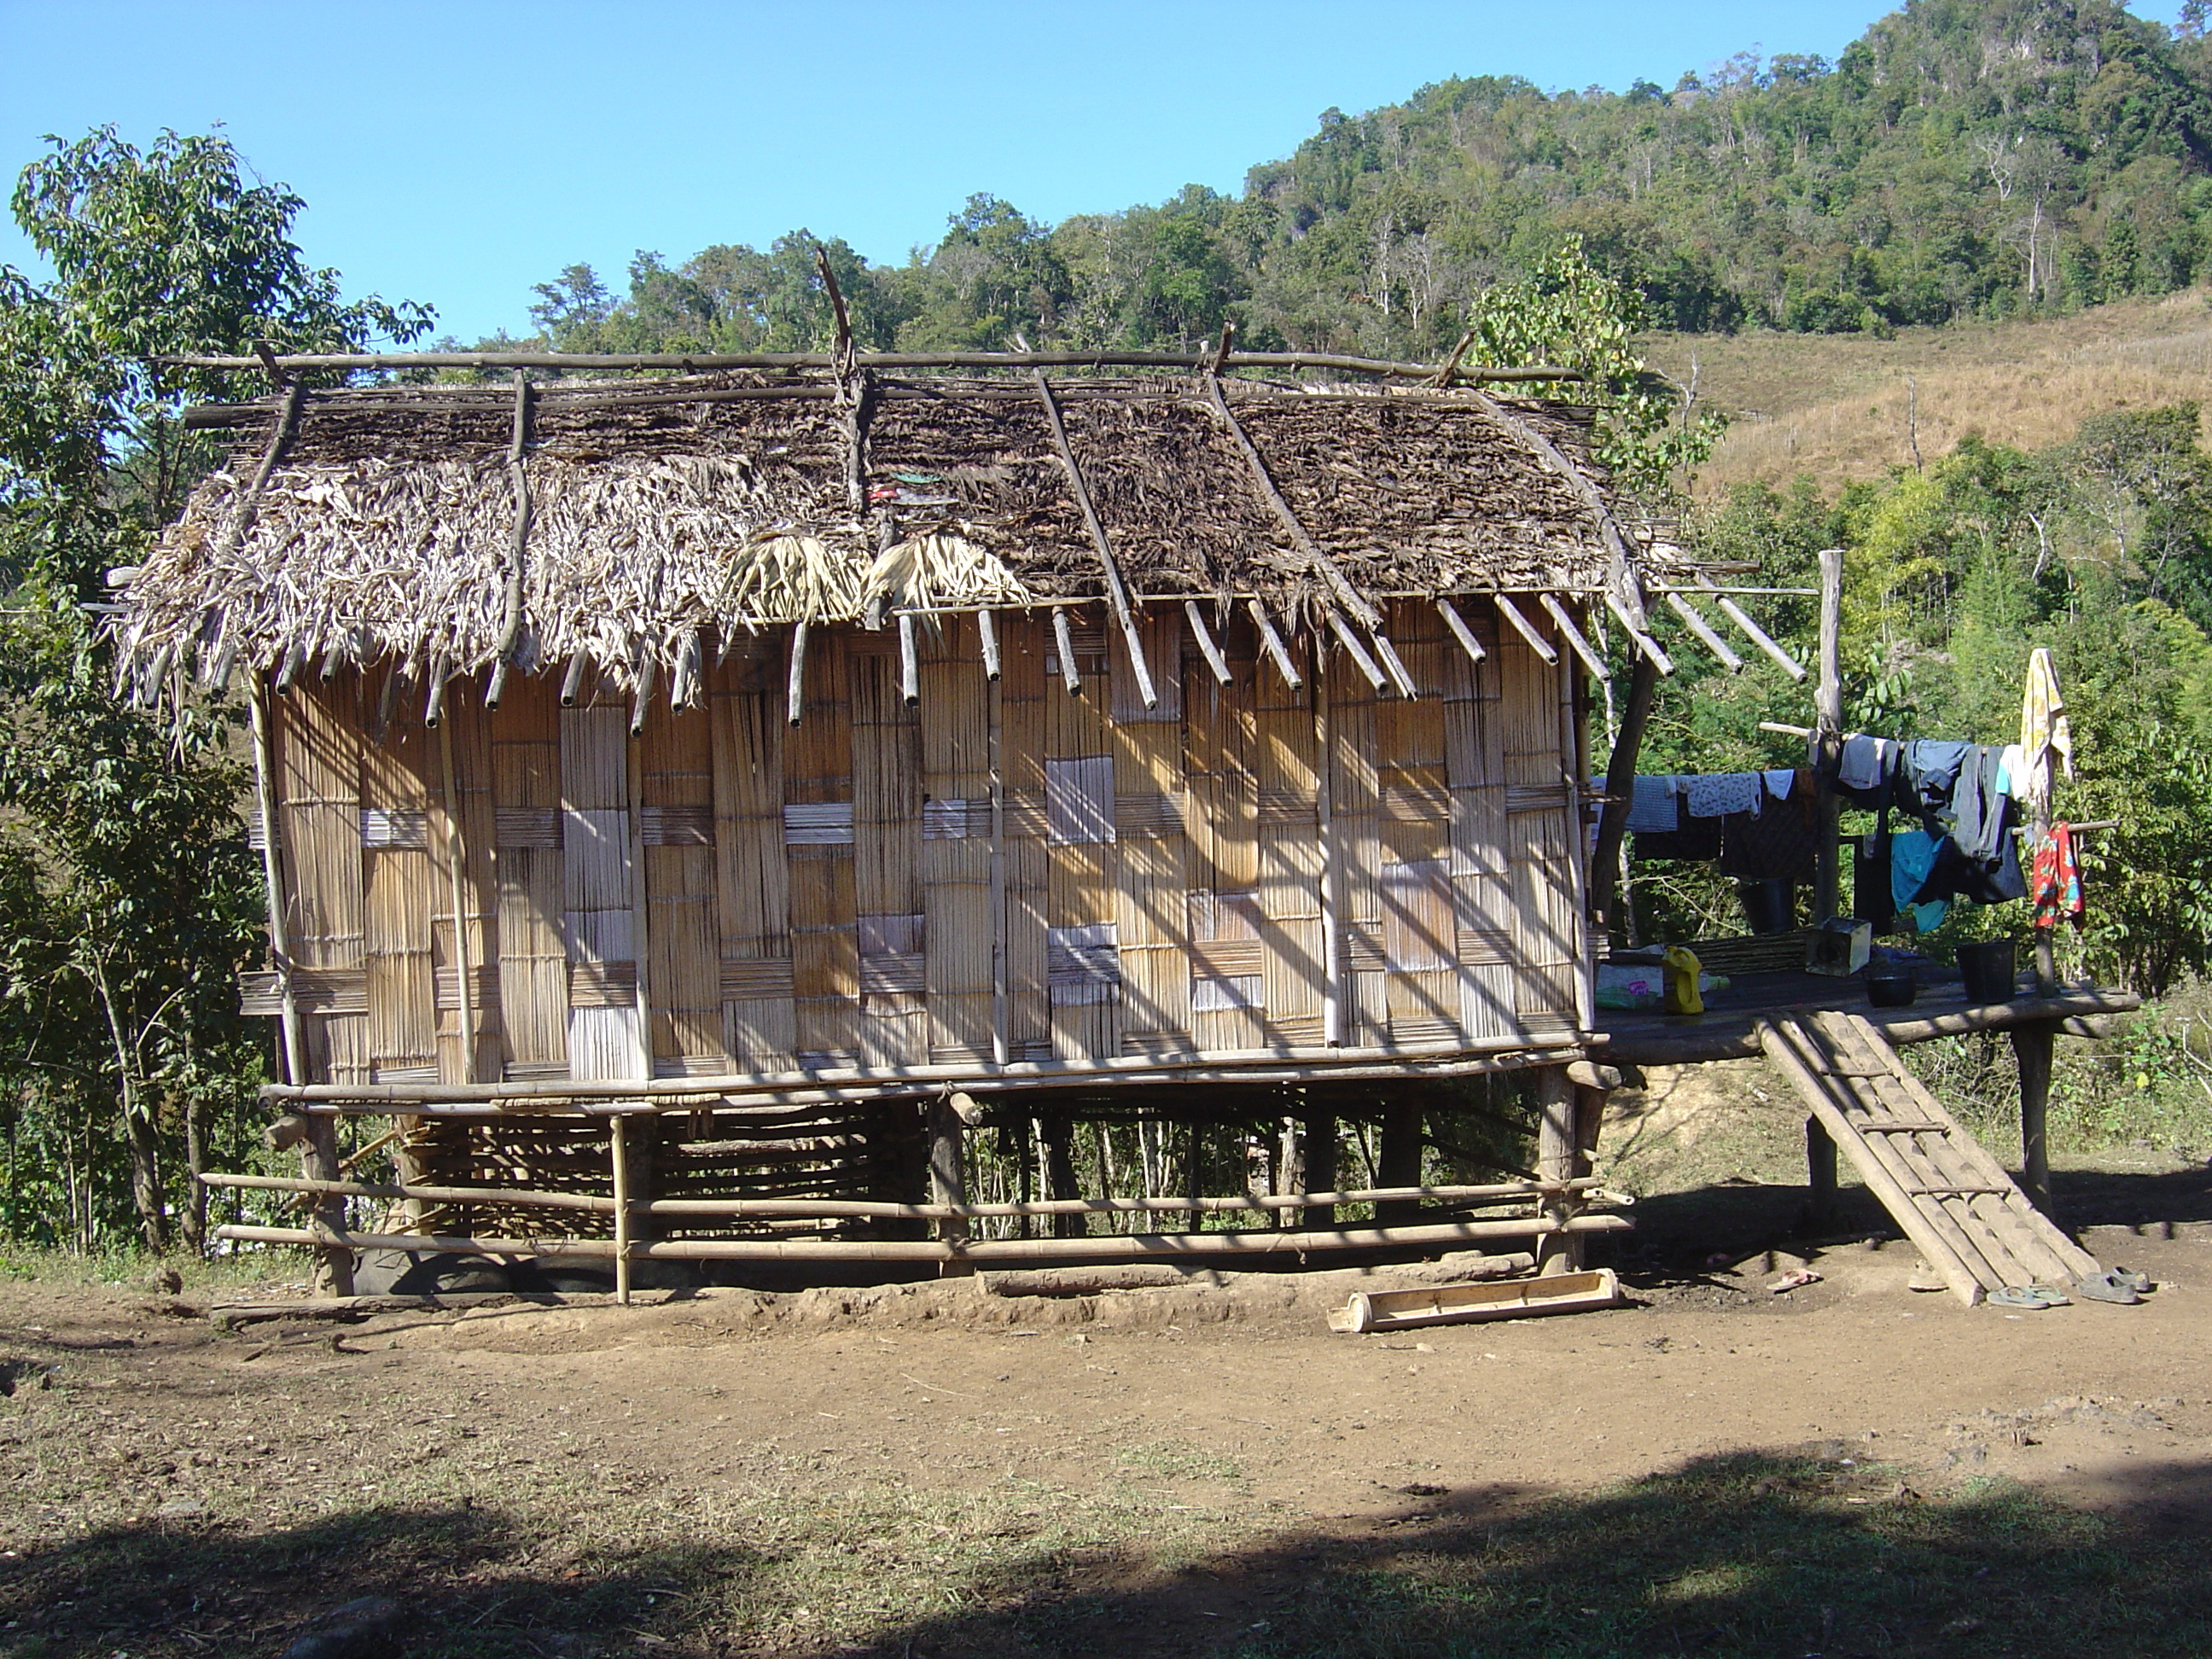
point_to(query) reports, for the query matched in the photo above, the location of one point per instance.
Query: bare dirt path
(838, 1464)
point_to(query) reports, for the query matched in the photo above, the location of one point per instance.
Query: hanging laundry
(1979, 809)
(1691, 840)
(2057, 886)
(1780, 781)
(2043, 729)
(1867, 770)
(2011, 772)
(1651, 808)
(1715, 795)
(1912, 859)
(1929, 775)
(1783, 840)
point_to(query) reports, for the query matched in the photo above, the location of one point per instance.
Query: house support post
(1060, 1170)
(1319, 1131)
(1398, 1160)
(2031, 1045)
(319, 1161)
(618, 1157)
(1557, 1151)
(1820, 1178)
(948, 1179)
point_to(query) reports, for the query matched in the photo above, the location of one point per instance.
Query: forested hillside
(1963, 158)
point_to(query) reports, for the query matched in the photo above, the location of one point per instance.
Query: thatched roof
(383, 520)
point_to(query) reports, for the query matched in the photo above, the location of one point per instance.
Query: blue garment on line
(1912, 857)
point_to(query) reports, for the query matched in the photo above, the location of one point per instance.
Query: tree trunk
(146, 1181)
(194, 1220)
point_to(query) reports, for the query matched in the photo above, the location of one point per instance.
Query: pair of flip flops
(2032, 1298)
(2116, 1285)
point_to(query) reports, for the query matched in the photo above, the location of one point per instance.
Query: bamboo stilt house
(810, 744)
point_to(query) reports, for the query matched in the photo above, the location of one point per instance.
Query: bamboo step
(1952, 1198)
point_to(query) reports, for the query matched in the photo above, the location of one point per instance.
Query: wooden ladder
(1953, 1199)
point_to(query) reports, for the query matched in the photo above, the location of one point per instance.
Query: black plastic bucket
(1889, 988)
(1769, 905)
(1989, 969)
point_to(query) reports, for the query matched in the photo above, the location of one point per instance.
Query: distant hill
(1843, 409)
(1965, 159)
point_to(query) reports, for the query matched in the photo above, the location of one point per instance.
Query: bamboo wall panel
(604, 1036)
(400, 890)
(316, 736)
(683, 930)
(819, 839)
(532, 961)
(822, 895)
(752, 866)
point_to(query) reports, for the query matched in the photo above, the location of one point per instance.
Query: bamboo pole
(280, 949)
(1752, 631)
(456, 854)
(1108, 1247)
(882, 360)
(1207, 648)
(1525, 629)
(986, 630)
(1644, 642)
(618, 1155)
(1453, 1058)
(1339, 585)
(1353, 649)
(1116, 593)
(1395, 664)
(1274, 642)
(1828, 724)
(910, 663)
(1706, 635)
(1573, 1190)
(1573, 635)
(572, 683)
(520, 1198)
(1332, 970)
(795, 686)
(994, 752)
(1064, 637)
(1461, 631)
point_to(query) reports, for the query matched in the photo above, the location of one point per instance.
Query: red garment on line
(2055, 888)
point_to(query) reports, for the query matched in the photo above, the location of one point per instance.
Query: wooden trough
(1467, 1304)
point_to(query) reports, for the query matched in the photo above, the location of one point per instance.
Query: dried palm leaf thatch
(928, 572)
(785, 578)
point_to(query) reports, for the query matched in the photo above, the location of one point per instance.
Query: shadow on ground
(1748, 1554)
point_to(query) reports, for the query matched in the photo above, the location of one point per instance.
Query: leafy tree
(128, 899)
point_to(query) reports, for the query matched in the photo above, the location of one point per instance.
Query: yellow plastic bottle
(1682, 971)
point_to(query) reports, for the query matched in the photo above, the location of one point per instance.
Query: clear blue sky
(456, 153)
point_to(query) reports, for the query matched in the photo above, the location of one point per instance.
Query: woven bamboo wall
(728, 894)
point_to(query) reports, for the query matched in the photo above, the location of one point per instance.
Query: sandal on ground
(2105, 1287)
(2137, 1282)
(2029, 1297)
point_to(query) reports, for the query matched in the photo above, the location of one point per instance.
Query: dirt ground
(835, 1470)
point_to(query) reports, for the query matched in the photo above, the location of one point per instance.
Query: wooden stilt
(2032, 1046)
(1398, 1162)
(1060, 1170)
(1320, 1132)
(319, 1161)
(948, 1178)
(1559, 1252)
(618, 1155)
(1819, 1177)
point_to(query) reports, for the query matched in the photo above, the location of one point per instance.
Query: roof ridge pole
(1333, 579)
(510, 626)
(1116, 593)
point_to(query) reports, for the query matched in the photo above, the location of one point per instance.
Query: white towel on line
(1715, 795)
